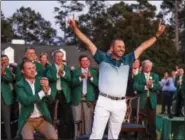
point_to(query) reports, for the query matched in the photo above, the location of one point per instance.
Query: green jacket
(139, 86)
(51, 74)
(6, 92)
(27, 101)
(77, 86)
(39, 69)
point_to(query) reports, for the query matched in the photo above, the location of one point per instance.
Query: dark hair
(4, 55)
(113, 41)
(82, 56)
(29, 48)
(25, 61)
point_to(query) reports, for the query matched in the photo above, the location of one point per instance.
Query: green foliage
(168, 6)
(134, 24)
(32, 27)
(6, 29)
(66, 8)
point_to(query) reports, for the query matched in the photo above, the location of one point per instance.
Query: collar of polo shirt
(114, 61)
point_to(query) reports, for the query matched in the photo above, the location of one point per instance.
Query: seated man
(31, 93)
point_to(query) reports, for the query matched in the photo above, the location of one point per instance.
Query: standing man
(85, 82)
(111, 104)
(60, 76)
(180, 94)
(165, 82)
(147, 84)
(32, 92)
(135, 69)
(6, 95)
(29, 55)
(43, 59)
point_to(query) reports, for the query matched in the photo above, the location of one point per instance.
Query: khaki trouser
(40, 125)
(84, 112)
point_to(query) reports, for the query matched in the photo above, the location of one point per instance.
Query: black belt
(112, 97)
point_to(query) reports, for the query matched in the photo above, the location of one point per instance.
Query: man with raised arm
(113, 77)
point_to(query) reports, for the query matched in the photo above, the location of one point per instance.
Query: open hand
(161, 29)
(72, 23)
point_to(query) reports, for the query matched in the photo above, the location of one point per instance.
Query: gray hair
(147, 61)
(55, 52)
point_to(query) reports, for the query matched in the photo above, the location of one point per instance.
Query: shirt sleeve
(129, 58)
(99, 56)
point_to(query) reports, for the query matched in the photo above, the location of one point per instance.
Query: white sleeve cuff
(41, 94)
(64, 73)
(152, 86)
(80, 78)
(91, 78)
(57, 75)
(49, 92)
(146, 88)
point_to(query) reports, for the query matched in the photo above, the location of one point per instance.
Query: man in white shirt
(32, 92)
(84, 82)
(59, 76)
(134, 70)
(111, 105)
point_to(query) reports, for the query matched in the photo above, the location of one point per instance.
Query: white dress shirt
(147, 77)
(36, 113)
(84, 85)
(58, 84)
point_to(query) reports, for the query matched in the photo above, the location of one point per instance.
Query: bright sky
(46, 8)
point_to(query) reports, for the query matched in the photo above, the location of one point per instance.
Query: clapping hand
(84, 75)
(61, 70)
(179, 82)
(149, 83)
(45, 84)
(89, 75)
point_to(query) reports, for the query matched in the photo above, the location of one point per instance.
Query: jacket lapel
(27, 87)
(143, 78)
(54, 68)
(37, 85)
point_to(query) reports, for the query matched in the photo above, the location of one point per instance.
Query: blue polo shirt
(113, 75)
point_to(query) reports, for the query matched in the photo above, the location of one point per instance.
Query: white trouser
(107, 109)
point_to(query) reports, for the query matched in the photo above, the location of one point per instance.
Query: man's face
(58, 58)
(29, 70)
(30, 54)
(84, 62)
(173, 73)
(43, 59)
(147, 67)
(118, 49)
(181, 72)
(165, 75)
(4, 61)
(136, 64)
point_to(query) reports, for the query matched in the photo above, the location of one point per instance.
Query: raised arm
(148, 43)
(90, 46)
